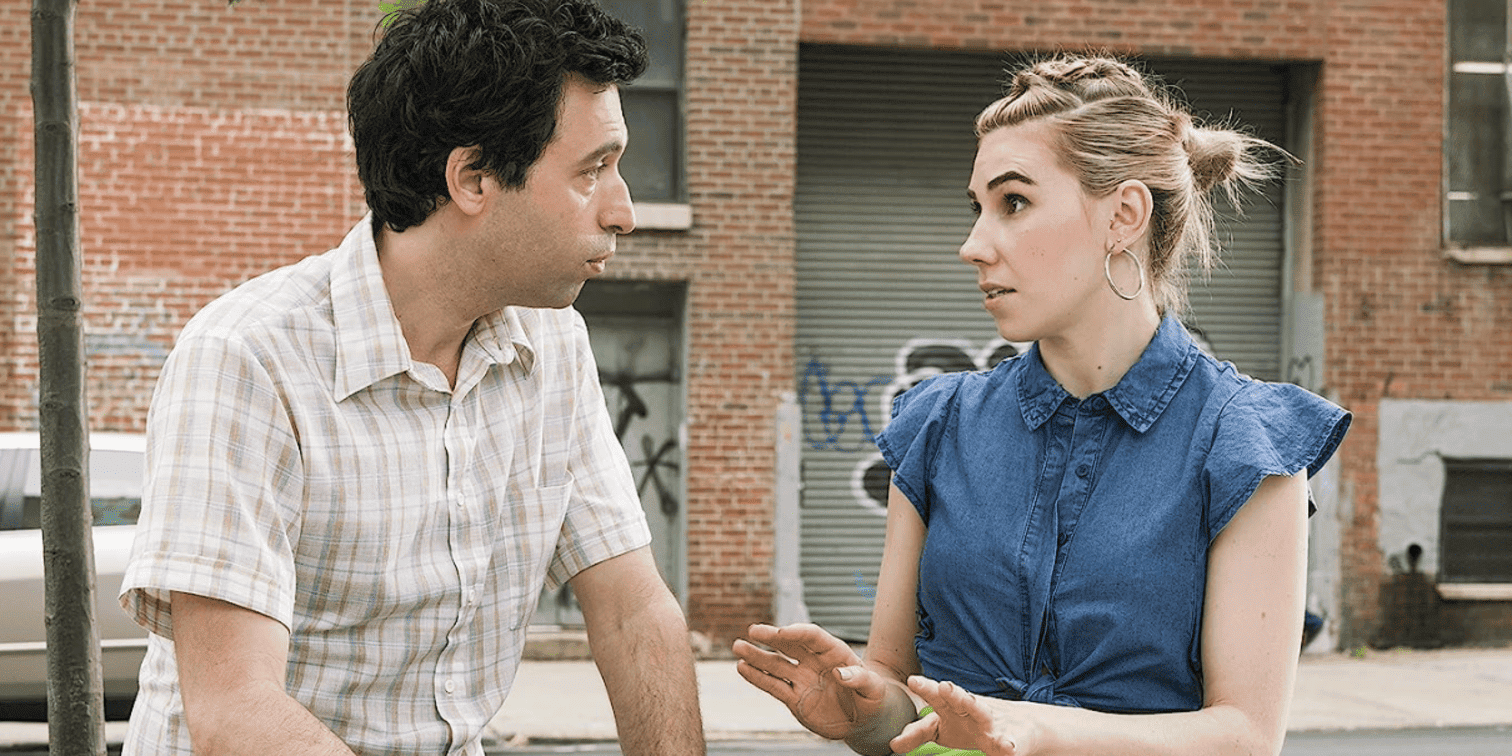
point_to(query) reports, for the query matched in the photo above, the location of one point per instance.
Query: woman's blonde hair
(1114, 124)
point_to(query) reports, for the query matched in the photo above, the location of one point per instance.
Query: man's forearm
(647, 666)
(231, 667)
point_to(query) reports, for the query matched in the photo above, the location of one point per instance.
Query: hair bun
(1212, 155)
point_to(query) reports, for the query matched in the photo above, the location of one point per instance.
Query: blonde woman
(1098, 546)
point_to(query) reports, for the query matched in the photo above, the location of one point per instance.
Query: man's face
(543, 241)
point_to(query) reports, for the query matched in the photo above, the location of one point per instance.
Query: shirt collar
(370, 345)
(1139, 397)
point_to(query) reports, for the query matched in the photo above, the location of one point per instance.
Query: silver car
(115, 488)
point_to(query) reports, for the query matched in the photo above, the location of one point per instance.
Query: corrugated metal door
(884, 153)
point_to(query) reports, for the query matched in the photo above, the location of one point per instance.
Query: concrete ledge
(1476, 591)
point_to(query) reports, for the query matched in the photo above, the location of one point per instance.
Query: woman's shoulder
(942, 390)
(1256, 419)
(1237, 393)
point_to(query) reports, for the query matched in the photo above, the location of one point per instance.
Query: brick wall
(178, 205)
(1402, 321)
(738, 261)
(212, 147)
(15, 179)
(1266, 29)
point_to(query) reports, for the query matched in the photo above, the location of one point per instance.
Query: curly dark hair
(458, 73)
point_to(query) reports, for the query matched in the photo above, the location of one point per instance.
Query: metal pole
(75, 691)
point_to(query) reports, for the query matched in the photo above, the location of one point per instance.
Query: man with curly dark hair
(365, 467)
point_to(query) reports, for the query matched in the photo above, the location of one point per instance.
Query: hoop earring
(1108, 273)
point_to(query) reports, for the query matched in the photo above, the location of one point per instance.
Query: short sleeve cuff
(578, 554)
(912, 437)
(149, 583)
(1268, 429)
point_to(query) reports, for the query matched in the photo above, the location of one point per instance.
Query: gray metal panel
(884, 153)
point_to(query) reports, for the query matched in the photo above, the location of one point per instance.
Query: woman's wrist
(872, 737)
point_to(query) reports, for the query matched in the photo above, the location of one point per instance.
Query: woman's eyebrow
(1006, 176)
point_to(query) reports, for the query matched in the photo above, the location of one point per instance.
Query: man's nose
(619, 210)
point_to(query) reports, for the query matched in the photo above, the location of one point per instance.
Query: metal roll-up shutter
(885, 149)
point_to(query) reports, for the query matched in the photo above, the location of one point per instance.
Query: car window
(115, 486)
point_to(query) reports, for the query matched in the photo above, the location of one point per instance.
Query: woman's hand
(816, 675)
(963, 720)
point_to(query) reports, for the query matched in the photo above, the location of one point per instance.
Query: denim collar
(1140, 396)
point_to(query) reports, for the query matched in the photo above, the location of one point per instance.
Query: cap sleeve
(1267, 429)
(912, 437)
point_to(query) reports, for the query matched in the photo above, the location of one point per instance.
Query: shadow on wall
(1414, 615)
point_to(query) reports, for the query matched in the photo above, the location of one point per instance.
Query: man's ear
(465, 184)
(1132, 206)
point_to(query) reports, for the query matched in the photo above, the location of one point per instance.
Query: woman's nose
(975, 250)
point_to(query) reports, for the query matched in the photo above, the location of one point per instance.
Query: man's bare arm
(232, 666)
(640, 644)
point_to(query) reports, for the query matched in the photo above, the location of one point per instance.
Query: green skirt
(930, 749)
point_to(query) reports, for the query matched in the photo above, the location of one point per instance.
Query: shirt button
(1082, 470)
(450, 686)
(1062, 538)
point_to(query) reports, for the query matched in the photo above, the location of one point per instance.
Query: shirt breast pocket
(528, 542)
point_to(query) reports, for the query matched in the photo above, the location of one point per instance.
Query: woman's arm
(890, 652)
(1252, 620)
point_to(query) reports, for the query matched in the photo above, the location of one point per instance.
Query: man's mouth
(995, 293)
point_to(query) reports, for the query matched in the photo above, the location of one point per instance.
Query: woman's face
(1039, 239)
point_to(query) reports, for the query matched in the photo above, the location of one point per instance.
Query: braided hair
(1114, 124)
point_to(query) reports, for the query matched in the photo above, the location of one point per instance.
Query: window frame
(673, 213)
(1476, 254)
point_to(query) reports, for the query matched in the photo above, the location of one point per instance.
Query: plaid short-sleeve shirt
(300, 464)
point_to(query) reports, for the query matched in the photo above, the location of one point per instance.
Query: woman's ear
(464, 183)
(1132, 206)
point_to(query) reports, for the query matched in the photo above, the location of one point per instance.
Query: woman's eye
(1014, 203)
(976, 208)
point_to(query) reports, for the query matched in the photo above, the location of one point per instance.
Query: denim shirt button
(1082, 470)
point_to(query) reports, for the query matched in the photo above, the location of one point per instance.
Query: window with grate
(1475, 542)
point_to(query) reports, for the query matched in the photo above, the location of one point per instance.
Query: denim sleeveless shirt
(1066, 555)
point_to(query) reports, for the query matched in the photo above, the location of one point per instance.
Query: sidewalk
(565, 700)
